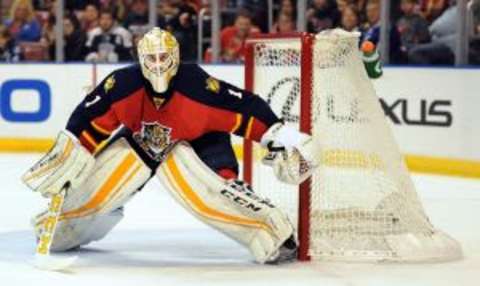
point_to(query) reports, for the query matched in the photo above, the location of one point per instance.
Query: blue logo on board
(7, 93)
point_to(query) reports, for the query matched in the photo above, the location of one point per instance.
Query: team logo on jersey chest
(154, 138)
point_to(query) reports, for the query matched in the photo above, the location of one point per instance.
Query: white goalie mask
(159, 57)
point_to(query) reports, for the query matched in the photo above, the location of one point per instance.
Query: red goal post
(305, 123)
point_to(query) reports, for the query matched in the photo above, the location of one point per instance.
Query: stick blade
(52, 263)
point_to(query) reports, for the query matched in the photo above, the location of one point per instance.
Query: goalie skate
(287, 253)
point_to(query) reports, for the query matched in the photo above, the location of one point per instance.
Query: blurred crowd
(422, 31)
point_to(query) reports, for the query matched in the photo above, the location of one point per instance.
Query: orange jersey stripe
(249, 128)
(238, 122)
(89, 139)
(100, 129)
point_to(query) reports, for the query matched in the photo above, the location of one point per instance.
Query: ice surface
(159, 244)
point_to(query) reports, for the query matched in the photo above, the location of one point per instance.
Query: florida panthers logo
(154, 139)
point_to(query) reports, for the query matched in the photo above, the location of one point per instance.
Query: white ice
(158, 243)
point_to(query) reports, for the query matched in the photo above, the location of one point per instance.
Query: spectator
(9, 50)
(287, 7)
(48, 35)
(116, 6)
(322, 15)
(196, 4)
(474, 50)
(180, 19)
(372, 31)
(233, 38)
(109, 42)
(80, 5)
(137, 17)
(284, 24)
(412, 27)
(43, 5)
(372, 25)
(342, 4)
(361, 5)
(443, 34)
(476, 18)
(258, 12)
(75, 39)
(22, 24)
(137, 20)
(432, 9)
(350, 19)
(90, 18)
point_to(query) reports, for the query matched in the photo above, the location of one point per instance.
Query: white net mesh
(363, 202)
(276, 77)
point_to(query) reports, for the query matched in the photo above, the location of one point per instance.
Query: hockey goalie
(172, 121)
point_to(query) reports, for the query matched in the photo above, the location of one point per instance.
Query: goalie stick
(43, 260)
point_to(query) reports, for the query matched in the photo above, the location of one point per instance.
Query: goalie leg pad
(76, 232)
(228, 206)
(93, 209)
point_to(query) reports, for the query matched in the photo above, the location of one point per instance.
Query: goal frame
(382, 211)
(306, 78)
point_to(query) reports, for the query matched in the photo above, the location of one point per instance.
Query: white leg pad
(227, 206)
(76, 232)
(92, 210)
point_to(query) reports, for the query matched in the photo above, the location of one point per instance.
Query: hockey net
(360, 204)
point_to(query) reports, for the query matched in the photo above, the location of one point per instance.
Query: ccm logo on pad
(12, 88)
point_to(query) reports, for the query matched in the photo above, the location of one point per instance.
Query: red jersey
(194, 104)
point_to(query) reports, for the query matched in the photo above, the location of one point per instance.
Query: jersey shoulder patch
(109, 83)
(212, 84)
(194, 82)
(123, 82)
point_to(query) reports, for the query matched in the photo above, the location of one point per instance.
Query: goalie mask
(159, 57)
